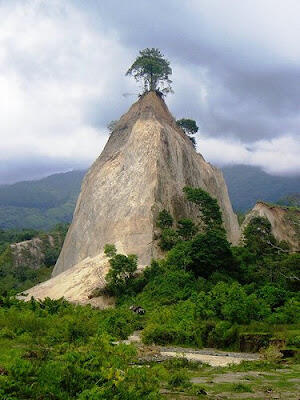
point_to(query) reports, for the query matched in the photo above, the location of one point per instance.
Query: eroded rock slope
(143, 168)
(285, 222)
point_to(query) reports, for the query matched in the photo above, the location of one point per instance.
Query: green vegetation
(203, 293)
(189, 127)
(40, 204)
(14, 236)
(55, 350)
(16, 278)
(153, 70)
(122, 270)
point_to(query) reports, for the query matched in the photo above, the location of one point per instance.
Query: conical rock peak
(143, 168)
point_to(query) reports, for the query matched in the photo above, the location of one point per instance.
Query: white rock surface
(214, 361)
(285, 222)
(143, 168)
(76, 284)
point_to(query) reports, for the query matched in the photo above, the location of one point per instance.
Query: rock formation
(285, 222)
(32, 253)
(143, 168)
(78, 284)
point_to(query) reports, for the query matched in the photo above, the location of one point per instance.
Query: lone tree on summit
(153, 70)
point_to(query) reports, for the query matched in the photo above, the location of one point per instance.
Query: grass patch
(10, 350)
(241, 388)
(179, 379)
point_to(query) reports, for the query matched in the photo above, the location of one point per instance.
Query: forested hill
(40, 204)
(247, 185)
(43, 203)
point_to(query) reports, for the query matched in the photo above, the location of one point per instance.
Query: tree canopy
(122, 270)
(208, 206)
(153, 70)
(190, 127)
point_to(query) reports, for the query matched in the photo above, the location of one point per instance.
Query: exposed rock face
(285, 222)
(77, 284)
(31, 253)
(143, 168)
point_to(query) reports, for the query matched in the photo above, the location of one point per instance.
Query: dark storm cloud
(254, 92)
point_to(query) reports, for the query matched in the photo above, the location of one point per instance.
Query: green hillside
(247, 185)
(40, 204)
(291, 200)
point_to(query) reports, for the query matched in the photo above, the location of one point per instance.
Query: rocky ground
(219, 375)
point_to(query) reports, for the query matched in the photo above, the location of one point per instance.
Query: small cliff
(285, 222)
(33, 253)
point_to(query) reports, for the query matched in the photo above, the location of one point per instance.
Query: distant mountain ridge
(247, 185)
(41, 204)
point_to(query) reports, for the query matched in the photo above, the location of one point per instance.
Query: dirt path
(212, 357)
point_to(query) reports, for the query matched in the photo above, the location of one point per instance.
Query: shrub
(168, 287)
(210, 252)
(6, 333)
(271, 354)
(168, 239)
(221, 334)
(110, 250)
(186, 228)
(163, 334)
(273, 296)
(119, 322)
(294, 341)
(164, 220)
(51, 256)
(233, 304)
(179, 379)
(289, 313)
(210, 211)
(258, 235)
(179, 363)
(160, 334)
(121, 273)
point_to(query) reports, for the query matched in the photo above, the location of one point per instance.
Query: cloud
(279, 156)
(236, 70)
(53, 67)
(246, 55)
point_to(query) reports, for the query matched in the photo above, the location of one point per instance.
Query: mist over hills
(43, 203)
(247, 185)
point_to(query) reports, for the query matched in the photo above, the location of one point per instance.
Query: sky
(236, 71)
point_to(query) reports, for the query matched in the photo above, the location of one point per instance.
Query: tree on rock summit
(153, 70)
